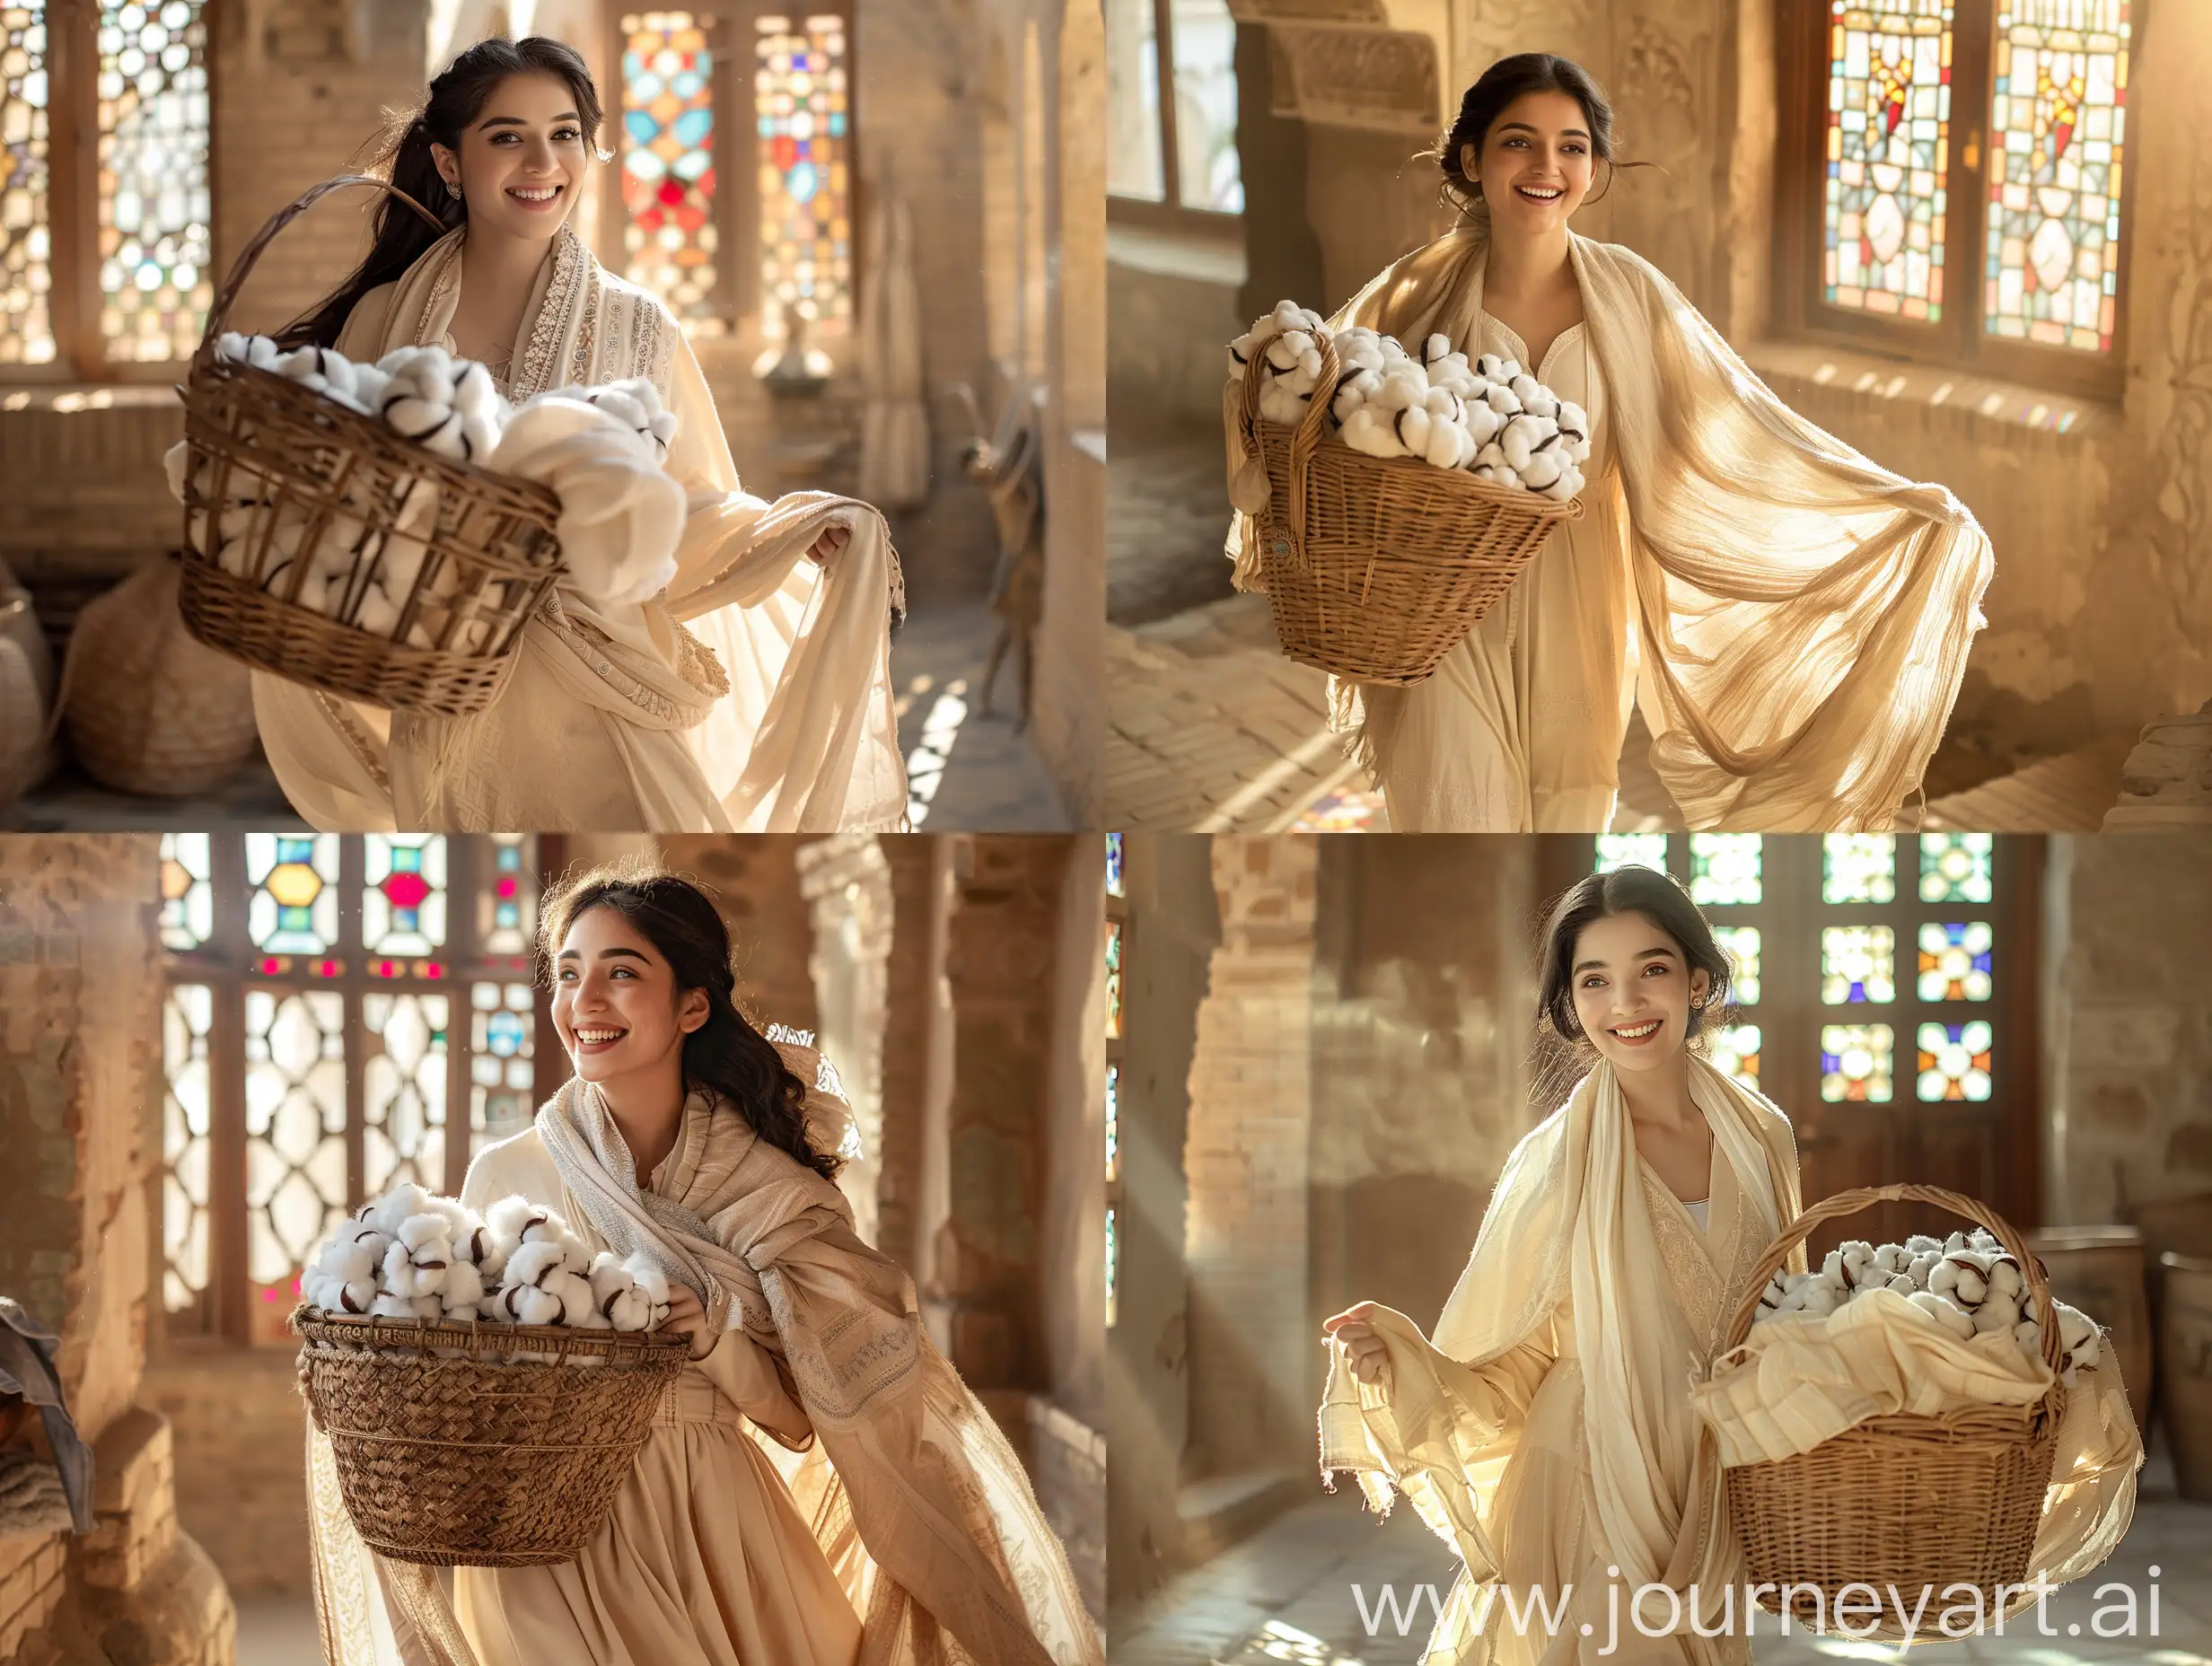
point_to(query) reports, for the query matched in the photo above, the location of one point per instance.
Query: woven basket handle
(1304, 438)
(1865, 1197)
(243, 268)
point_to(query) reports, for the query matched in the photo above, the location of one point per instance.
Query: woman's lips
(1540, 194)
(547, 202)
(596, 1037)
(1636, 1035)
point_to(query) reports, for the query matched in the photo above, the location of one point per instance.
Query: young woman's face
(1536, 163)
(615, 1000)
(527, 141)
(1633, 990)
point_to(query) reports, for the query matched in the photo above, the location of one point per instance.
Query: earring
(453, 189)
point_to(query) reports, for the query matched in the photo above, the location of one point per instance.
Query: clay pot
(2183, 1225)
(2186, 1365)
(2099, 1269)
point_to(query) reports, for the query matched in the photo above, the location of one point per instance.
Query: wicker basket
(452, 1452)
(1376, 567)
(487, 563)
(1908, 1501)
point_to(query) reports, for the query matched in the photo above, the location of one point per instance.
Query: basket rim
(478, 1335)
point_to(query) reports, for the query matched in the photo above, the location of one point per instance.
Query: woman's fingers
(1358, 1313)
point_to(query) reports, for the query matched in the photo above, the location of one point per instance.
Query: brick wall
(30, 1586)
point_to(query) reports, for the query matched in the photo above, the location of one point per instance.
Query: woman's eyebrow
(1565, 133)
(516, 121)
(604, 954)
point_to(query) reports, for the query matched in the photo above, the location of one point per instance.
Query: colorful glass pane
(1735, 1053)
(293, 907)
(187, 1016)
(295, 1126)
(502, 1074)
(1113, 979)
(1954, 1060)
(1740, 943)
(2057, 119)
(26, 230)
(1888, 141)
(403, 1082)
(1854, 1062)
(668, 161)
(1858, 867)
(1114, 881)
(507, 908)
(1954, 867)
(1114, 1122)
(1954, 960)
(1724, 868)
(801, 108)
(1859, 963)
(1616, 851)
(403, 902)
(155, 244)
(188, 900)
(1113, 1263)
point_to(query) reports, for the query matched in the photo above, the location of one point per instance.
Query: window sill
(1974, 400)
(1203, 258)
(70, 398)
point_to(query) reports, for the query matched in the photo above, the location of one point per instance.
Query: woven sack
(22, 766)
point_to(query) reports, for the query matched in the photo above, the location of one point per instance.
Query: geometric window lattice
(500, 1080)
(295, 1126)
(1113, 979)
(2057, 118)
(404, 1090)
(1740, 943)
(1859, 963)
(1114, 1122)
(1954, 960)
(1888, 112)
(403, 901)
(1854, 1063)
(506, 913)
(1954, 867)
(1113, 865)
(188, 905)
(801, 110)
(293, 908)
(1954, 1060)
(156, 245)
(1735, 1053)
(1858, 867)
(668, 162)
(1113, 1261)
(1616, 851)
(187, 1015)
(1724, 868)
(26, 228)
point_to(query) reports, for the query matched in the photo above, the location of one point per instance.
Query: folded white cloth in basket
(621, 516)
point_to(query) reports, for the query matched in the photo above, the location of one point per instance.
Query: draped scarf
(770, 677)
(1803, 614)
(1575, 1213)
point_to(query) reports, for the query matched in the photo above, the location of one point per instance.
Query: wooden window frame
(224, 965)
(1116, 912)
(1170, 213)
(1957, 341)
(72, 207)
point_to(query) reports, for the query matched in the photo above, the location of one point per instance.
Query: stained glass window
(26, 229)
(403, 903)
(2057, 120)
(296, 1125)
(1114, 1122)
(405, 1084)
(1735, 1053)
(295, 905)
(1114, 881)
(1740, 943)
(1888, 112)
(1954, 1060)
(1113, 979)
(801, 107)
(1954, 867)
(1113, 1264)
(156, 245)
(186, 1124)
(1616, 851)
(1724, 868)
(502, 1083)
(1859, 963)
(1955, 960)
(1858, 867)
(1854, 1062)
(507, 910)
(668, 161)
(187, 906)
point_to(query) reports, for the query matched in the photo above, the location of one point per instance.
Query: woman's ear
(1470, 164)
(692, 1010)
(448, 164)
(1700, 987)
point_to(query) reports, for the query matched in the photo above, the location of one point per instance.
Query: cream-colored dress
(704, 1557)
(1520, 729)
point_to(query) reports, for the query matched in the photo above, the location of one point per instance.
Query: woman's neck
(648, 1111)
(494, 265)
(1660, 1099)
(1526, 269)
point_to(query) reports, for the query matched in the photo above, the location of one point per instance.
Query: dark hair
(400, 154)
(725, 1053)
(1660, 899)
(1498, 87)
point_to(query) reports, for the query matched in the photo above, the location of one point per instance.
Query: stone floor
(279, 1630)
(1294, 1591)
(1167, 508)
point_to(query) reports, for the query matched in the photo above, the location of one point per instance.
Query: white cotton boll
(1502, 399)
(610, 1278)
(1997, 1312)
(1483, 424)
(1858, 1257)
(1563, 489)
(2029, 1334)
(474, 392)
(1542, 469)
(526, 1304)
(1412, 425)
(1923, 1263)
(1899, 1283)
(512, 1216)
(575, 1294)
(435, 428)
(1491, 456)
(1982, 1237)
(1522, 436)
(1450, 446)
(1920, 1243)
(2007, 1279)
(400, 1204)
(1891, 1259)
(389, 1305)
(1971, 1284)
(1490, 367)
(400, 1275)
(1770, 1299)
(1958, 1323)
(1953, 1244)
(1369, 430)
(1820, 1299)
(1289, 315)
(463, 1292)
(532, 1262)
(1352, 392)
(2075, 1327)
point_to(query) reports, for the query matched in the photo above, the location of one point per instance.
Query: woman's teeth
(1541, 193)
(537, 196)
(1639, 1032)
(598, 1038)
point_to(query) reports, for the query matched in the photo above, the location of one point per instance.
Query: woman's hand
(832, 540)
(685, 1313)
(1355, 1328)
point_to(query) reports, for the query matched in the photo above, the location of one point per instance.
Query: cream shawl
(1577, 1212)
(1804, 615)
(753, 694)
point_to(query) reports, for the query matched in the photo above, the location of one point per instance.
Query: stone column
(847, 885)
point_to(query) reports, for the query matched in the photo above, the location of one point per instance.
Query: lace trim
(552, 313)
(695, 665)
(587, 334)
(1697, 1282)
(356, 739)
